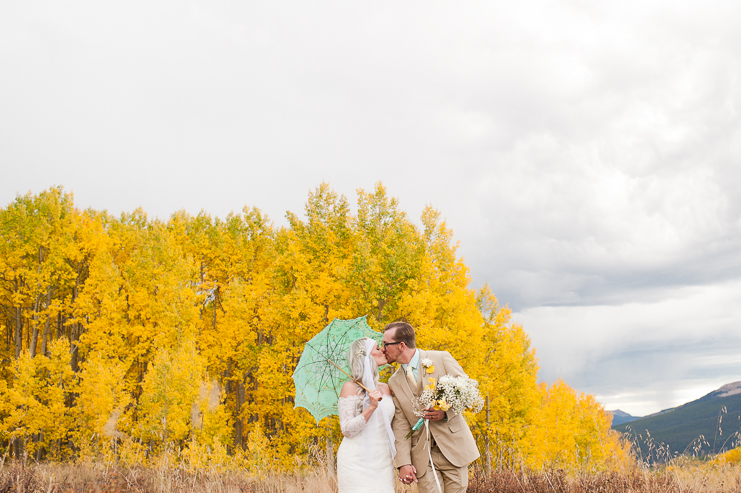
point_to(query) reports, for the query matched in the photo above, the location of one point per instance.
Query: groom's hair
(404, 333)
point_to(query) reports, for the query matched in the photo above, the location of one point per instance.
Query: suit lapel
(421, 373)
(404, 382)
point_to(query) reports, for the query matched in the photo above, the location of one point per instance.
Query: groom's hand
(434, 415)
(408, 474)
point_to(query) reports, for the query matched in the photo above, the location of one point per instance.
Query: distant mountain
(710, 424)
(619, 417)
(725, 391)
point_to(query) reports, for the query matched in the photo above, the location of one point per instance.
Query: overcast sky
(587, 155)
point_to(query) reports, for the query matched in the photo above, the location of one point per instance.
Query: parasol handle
(343, 371)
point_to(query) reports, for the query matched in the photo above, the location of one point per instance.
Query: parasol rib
(343, 371)
(317, 381)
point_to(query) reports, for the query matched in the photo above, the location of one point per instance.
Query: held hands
(408, 474)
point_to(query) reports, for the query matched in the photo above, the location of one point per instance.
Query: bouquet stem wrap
(416, 427)
(429, 454)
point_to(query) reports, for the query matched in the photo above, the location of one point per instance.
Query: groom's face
(391, 348)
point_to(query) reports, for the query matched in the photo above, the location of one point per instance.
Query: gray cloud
(641, 356)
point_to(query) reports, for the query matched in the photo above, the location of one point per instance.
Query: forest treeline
(129, 337)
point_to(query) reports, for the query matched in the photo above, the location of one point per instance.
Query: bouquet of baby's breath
(448, 392)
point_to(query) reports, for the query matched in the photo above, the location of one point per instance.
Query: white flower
(459, 393)
(426, 362)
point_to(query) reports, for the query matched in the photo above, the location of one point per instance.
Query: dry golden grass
(682, 477)
(58, 478)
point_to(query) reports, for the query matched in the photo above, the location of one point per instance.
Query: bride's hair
(356, 360)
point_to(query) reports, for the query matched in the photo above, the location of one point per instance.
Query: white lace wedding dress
(361, 470)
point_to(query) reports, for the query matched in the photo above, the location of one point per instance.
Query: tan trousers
(452, 479)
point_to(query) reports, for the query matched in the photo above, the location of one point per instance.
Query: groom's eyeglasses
(387, 344)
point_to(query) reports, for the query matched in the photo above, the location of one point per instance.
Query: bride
(364, 459)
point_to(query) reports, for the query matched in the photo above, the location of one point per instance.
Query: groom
(452, 445)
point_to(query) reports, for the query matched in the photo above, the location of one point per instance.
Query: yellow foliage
(35, 412)
(148, 341)
(169, 395)
(572, 432)
(733, 456)
(102, 399)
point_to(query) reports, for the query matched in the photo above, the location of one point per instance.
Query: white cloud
(585, 154)
(642, 354)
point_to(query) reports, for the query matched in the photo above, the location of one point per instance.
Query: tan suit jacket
(453, 436)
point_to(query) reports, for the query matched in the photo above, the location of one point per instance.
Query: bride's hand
(375, 396)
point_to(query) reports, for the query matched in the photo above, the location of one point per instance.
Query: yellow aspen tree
(572, 431)
(249, 246)
(14, 228)
(311, 266)
(28, 227)
(21, 410)
(38, 416)
(102, 400)
(387, 257)
(169, 392)
(59, 385)
(598, 445)
(441, 306)
(552, 441)
(87, 238)
(36, 280)
(232, 257)
(102, 308)
(49, 272)
(507, 378)
(210, 419)
(161, 304)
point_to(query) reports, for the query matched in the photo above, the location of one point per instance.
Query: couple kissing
(375, 422)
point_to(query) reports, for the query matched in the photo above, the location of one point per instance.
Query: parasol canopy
(319, 376)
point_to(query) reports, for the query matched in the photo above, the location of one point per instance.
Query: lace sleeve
(350, 424)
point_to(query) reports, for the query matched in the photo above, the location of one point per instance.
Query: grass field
(705, 426)
(56, 478)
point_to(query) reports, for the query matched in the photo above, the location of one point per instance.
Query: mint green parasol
(317, 378)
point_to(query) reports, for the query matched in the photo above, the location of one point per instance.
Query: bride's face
(378, 356)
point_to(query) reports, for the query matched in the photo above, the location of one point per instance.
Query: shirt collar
(414, 362)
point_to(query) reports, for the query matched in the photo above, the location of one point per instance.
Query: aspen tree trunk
(216, 299)
(488, 438)
(35, 332)
(18, 449)
(330, 455)
(76, 329)
(238, 420)
(18, 334)
(37, 439)
(381, 304)
(164, 420)
(228, 377)
(18, 331)
(73, 347)
(47, 324)
(73, 329)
